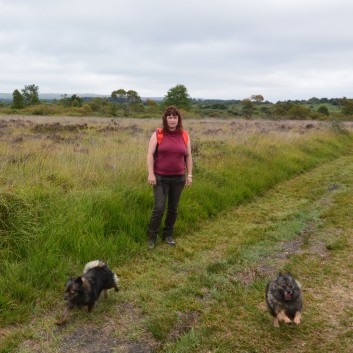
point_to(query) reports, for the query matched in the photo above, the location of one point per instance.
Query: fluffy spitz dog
(86, 289)
(284, 299)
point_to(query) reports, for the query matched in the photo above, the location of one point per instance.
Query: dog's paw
(297, 320)
(287, 320)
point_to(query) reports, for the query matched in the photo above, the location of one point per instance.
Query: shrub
(323, 110)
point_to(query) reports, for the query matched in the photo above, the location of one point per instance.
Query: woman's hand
(188, 181)
(152, 179)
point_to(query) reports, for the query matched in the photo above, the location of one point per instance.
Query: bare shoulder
(153, 137)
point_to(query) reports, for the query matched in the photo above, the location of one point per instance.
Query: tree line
(128, 103)
(178, 95)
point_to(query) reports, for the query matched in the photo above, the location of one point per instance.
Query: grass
(240, 323)
(237, 320)
(51, 227)
(207, 294)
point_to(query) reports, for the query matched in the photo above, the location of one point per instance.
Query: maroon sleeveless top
(171, 154)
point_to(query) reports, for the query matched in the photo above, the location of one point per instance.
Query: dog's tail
(93, 264)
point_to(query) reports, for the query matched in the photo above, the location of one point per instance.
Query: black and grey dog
(284, 299)
(86, 289)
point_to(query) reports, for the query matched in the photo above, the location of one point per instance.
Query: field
(267, 196)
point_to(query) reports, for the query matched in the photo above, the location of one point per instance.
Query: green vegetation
(17, 100)
(230, 285)
(128, 103)
(207, 294)
(28, 97)
(72, 193)
(179, 97)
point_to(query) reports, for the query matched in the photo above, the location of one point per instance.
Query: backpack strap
(159, 133)
(185, 137)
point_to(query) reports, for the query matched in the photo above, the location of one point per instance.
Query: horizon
(53, 95)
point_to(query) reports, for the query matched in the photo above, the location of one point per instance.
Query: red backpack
(159, 133)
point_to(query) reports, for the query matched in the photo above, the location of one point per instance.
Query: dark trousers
(168, 188)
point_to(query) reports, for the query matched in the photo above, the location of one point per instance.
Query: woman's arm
(150, 159)
(188, 164)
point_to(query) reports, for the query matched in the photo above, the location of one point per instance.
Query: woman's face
(172, 122)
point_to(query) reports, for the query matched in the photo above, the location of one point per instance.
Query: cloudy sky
(226, 49)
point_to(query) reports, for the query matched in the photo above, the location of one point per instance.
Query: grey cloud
(283, 49)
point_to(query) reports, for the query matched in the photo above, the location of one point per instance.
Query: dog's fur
(86, 289)
(284, 299)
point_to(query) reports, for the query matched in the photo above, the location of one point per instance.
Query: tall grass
(73, 193)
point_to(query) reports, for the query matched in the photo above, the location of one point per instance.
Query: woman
(168, 159)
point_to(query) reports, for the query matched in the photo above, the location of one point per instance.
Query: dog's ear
(280, 274)
(79, 280)
(69, 282)
(85, 283)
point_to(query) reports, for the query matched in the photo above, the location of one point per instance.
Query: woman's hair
(172, 110)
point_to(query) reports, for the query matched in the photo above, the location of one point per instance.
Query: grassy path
(207, 294)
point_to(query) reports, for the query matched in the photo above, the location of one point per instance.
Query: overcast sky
(226, 49)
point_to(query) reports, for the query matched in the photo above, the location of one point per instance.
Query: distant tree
(334, 101)
(65, 100)
(120, 95)
(346, 106)
(280, 109)
(257, 98)
(100, 105)
(220, 106)
(299, 111)
(30, 95)
(178, 96)
(133, 98)
(314, 100)
(73, 101)
(134, 101)
(323, 110)
(152, 105)
(247, 108)
(151, 102)
(17, 100)
(76, 101)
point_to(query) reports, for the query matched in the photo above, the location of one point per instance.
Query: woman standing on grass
(168, 160)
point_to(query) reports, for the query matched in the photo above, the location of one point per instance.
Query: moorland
(268, 195)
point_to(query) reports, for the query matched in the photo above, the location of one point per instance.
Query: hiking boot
(169, 240)
(151, 244)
